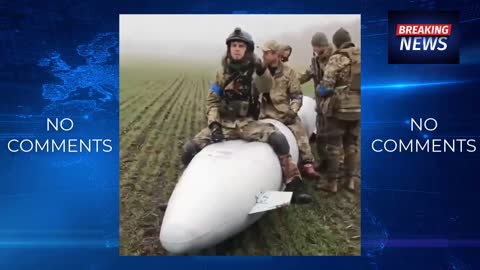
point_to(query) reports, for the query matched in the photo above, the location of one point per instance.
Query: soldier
(340, 89)
(231, 110)
(284, 101)
(285, 52)
(322, 50)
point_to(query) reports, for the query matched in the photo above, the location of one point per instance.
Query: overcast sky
(201, 37)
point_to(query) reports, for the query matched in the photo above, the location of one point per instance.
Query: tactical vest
(348, 91)
(237, 97)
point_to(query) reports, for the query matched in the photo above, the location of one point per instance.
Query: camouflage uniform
(284, 100)
(316, 69)
(315, 72)
(341, 108)
(231, 113)
(235, 126)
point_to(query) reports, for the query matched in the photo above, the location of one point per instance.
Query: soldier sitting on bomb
(231, 110)
(284, 101)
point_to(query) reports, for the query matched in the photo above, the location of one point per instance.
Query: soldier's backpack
(348, 107)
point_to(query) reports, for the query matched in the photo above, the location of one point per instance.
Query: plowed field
(162, 107)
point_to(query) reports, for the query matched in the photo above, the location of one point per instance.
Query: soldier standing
(340, 90)
(231, 110)
(284, 101)
(322, 51)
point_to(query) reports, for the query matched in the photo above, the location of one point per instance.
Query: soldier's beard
(242, 64)
(325, 54)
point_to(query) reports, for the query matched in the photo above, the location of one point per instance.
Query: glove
(260, 67)
(216, 132)
(290, 117)
(324, 92)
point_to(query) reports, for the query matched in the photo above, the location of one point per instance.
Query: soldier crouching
(284, 101)
(231, 111)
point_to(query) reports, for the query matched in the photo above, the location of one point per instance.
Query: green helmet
(319, 39)
(239, 35)
(340, 37)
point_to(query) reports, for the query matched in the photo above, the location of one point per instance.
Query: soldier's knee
(351, 149)
(279, 143)
(333, 150)
(190, 149)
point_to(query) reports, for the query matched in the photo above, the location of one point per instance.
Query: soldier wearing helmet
(321, 52)
(231, 110)
(340, 92)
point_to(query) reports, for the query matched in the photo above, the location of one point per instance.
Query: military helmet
(319, 39)
(239, 35)
(340, 37)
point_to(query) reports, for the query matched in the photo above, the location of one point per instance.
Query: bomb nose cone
(212, 200)
(178, 239)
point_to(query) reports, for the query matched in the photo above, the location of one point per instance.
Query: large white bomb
(214, 198)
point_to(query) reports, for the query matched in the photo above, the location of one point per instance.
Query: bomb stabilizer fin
(270, 200)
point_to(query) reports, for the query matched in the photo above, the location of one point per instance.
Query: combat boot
(293, 179)
(308, 170)
(330, 187)
(350, 183)
(299, 196)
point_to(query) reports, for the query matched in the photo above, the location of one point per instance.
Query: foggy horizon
(201, 38)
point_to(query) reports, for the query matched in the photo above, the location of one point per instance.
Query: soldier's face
(318, 50)
(270, 57)
(237, 50)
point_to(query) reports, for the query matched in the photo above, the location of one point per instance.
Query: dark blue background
(60, 211)
(449, 56)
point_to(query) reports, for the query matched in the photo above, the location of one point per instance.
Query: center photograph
(240, 135)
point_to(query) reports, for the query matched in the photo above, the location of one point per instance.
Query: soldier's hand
(260, 67)
(290, 117)
(216, 132)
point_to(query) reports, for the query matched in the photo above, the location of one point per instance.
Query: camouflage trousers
(303, 142)
(342, 141)
(255, 131)
(320, 139)
(252, 131)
